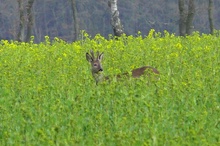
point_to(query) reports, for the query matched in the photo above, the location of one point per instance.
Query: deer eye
(95, 64)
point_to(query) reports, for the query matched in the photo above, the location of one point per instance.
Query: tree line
(65, 19)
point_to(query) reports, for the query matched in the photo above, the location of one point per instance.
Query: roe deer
(96, 68)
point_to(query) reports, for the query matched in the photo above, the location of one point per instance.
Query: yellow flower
(179, 46)
(64, 54)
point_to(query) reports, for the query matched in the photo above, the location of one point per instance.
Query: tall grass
(48, 95)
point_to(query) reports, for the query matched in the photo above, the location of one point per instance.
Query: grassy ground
(48, 95)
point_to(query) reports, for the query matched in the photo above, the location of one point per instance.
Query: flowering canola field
(48, 95)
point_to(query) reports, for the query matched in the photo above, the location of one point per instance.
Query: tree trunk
(189, 20)
(182, 21)
(186, 17)
(115, 21)
(20, 35)
(75, 20)
(29, 20)
(210, 11)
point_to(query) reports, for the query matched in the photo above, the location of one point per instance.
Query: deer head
(96, 66)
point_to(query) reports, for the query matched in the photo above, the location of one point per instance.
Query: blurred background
(62, 18)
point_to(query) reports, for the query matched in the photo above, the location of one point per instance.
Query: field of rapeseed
(48, 95)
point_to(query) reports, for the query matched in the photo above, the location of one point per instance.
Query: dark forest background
(54, 18)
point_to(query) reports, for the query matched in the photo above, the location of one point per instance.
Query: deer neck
(97, 76)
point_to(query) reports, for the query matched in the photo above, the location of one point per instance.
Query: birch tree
(115, 20)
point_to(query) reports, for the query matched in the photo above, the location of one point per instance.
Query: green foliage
(48, 95)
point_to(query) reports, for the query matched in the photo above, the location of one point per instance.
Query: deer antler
(92, 53)
(97, 53)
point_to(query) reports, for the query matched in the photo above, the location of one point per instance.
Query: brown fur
(96, 68)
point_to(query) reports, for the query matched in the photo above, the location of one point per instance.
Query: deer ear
(89, 57)
(100, 57)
